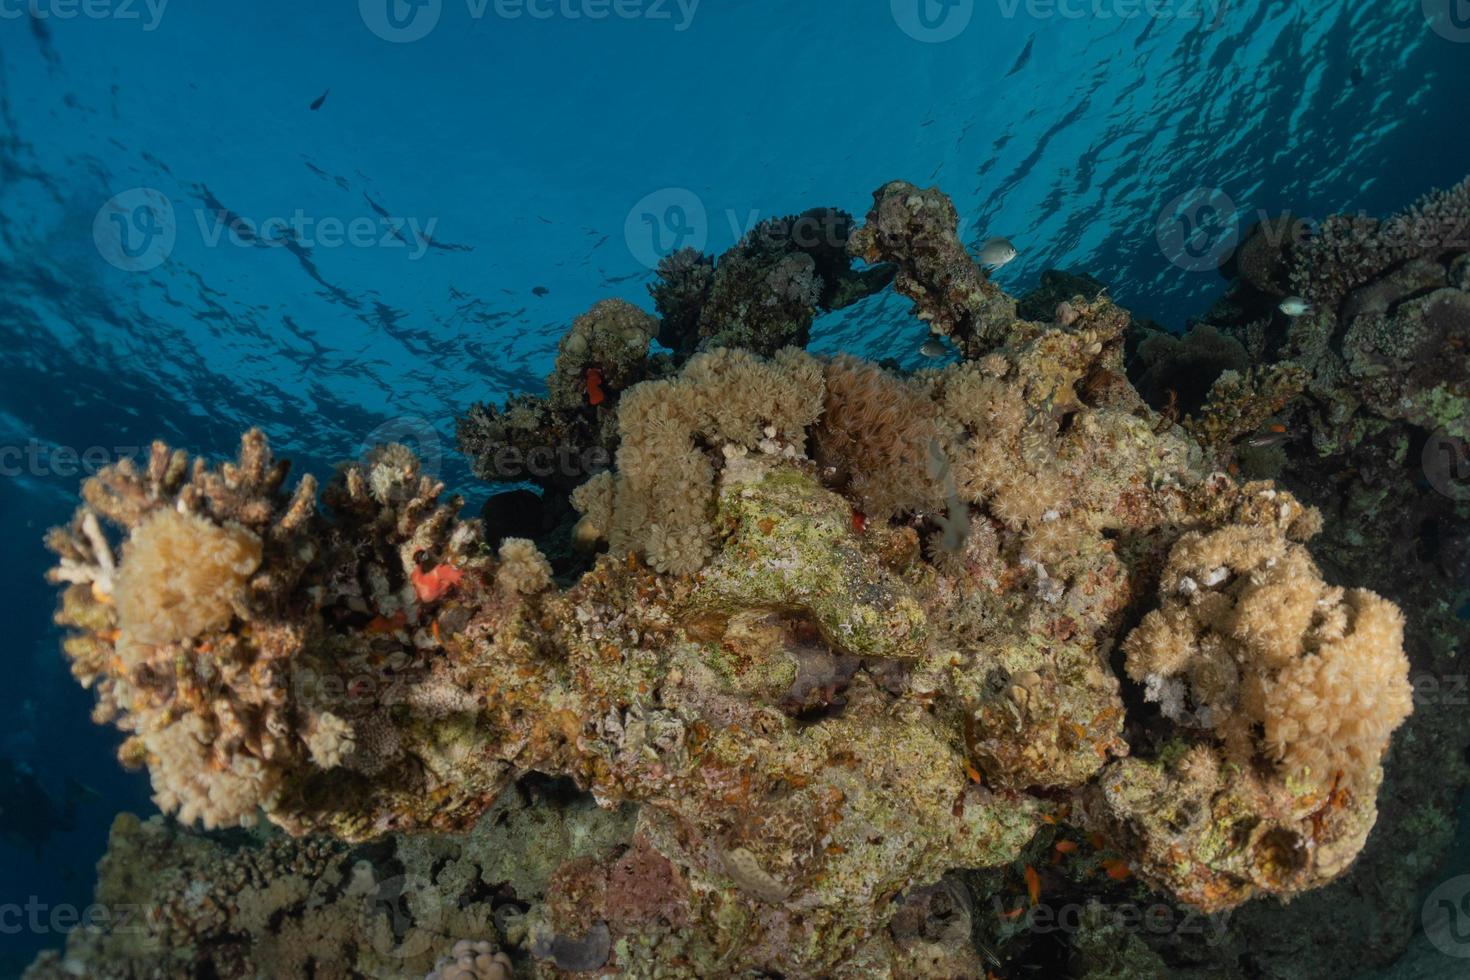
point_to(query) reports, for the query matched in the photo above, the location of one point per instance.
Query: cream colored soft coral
(188, 777)
(658, 501)
(523, 569)
(329, 740)
(1273, 660)
(181, 576)
(1336, 707)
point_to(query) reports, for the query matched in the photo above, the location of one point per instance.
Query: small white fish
(996, 253)
(1295, 306)
(933, 347)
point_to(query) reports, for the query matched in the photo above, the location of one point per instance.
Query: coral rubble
(849, 634)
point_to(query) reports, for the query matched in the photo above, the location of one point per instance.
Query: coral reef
(852, 633)
(1383, 369)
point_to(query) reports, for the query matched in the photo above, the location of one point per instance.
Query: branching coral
(822, 682)
(1347, 251)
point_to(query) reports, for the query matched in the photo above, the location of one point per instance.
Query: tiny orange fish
(1066, 846)
(972, 772)
(1033, 884)
(434, 583)
(1117, 869)
(859, 521)
(595, 394)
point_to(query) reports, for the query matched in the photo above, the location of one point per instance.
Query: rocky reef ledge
(845, 655)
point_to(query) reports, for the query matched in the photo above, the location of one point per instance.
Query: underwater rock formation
(763, 294)
(853, 630)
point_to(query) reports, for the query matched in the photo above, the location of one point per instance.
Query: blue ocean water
(340, 220)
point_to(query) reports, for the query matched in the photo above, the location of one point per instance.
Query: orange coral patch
(434, 583)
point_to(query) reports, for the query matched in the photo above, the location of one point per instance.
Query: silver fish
(1295, 306)
(933, 347)
(996, 253)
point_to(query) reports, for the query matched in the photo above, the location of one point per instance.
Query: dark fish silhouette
(320, 99)
(1024, 57)
(540, 291)
(28, 814)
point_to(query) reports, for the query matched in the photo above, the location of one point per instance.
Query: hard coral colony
(851, 632)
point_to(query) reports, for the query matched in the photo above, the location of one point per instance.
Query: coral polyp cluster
(847, 632)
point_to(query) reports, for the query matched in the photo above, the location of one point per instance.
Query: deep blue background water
(528, 150)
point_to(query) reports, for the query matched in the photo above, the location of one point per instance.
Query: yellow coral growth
(1335, 708)
(875, 432)
(1250, 642)
(658, 501)
(182, 576)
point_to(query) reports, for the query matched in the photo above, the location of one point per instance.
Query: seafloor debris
(852, 630)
